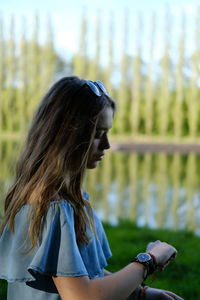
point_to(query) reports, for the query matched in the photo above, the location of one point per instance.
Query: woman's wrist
(136, 294)
(148, 261)
(155, 261)
(142, 292)
(154, 258)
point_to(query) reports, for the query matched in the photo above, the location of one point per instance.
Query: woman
(52, 244)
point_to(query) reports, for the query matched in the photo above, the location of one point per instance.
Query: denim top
(29, 275)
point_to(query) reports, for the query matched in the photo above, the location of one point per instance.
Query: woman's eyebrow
(102, 128)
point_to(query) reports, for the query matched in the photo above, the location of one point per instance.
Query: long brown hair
(54, 158)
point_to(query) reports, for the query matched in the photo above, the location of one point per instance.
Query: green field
(181, 276)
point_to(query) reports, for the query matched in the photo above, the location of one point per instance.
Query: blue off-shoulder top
(57, 253)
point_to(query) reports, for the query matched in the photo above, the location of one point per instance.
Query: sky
(66, 15)
(61, 5)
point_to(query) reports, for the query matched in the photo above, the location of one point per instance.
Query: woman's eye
(99, 134)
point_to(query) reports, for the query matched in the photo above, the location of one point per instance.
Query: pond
(157, 190)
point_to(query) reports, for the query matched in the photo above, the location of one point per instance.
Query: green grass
(3, 289)
(182, 276)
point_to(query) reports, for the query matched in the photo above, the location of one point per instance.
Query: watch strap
(150, 266)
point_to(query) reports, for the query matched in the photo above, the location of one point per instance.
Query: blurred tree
(194, 90)
(2, 69)
(164, 99)
(149, 90)
(80, 59)
(28, 69)
(94, 64)
(178, 113)
(108, 73)
(135, 112)
(124, 86)
(10, 76)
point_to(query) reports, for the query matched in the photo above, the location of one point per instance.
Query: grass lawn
(182, 276)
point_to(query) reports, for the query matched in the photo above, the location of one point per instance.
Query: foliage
(156, 97)
(3, 289)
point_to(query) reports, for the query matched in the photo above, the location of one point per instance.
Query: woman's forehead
(105, 118)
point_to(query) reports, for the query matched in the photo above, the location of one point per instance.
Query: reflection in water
(9, 151)
(154, 190)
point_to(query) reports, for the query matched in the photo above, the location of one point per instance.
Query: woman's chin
(93, 165)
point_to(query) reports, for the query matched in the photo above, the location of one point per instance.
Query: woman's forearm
(119, 285)
(106, 272)
(134, 295)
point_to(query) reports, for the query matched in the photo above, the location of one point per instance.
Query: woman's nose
(105, 143)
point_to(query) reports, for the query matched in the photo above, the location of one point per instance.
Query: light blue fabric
(29, 275)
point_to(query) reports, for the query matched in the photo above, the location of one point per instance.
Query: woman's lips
(100, 157)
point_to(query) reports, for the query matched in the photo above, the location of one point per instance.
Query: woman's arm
(116, 286)
(106, 272)
(134, 295)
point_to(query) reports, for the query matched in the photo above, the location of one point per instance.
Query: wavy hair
(54, 157)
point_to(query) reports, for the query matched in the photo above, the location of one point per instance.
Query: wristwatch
(147, 260)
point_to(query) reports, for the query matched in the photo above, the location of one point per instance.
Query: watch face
(143, 257)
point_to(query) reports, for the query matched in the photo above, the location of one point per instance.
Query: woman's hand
(162, 251)
(151, 245)
(157, 294)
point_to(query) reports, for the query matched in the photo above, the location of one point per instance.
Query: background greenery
(157, 96)
(181, 276)
(157, 99)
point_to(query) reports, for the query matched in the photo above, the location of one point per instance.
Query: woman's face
(100, 143)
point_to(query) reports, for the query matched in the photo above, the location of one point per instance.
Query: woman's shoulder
(64, 205)
(62, 209)
(58, 211)
(61, 203)
(56, 203)
(57, 238)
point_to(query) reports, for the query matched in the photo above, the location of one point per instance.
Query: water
(156, 190)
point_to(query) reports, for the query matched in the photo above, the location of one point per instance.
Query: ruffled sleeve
(57, 253)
